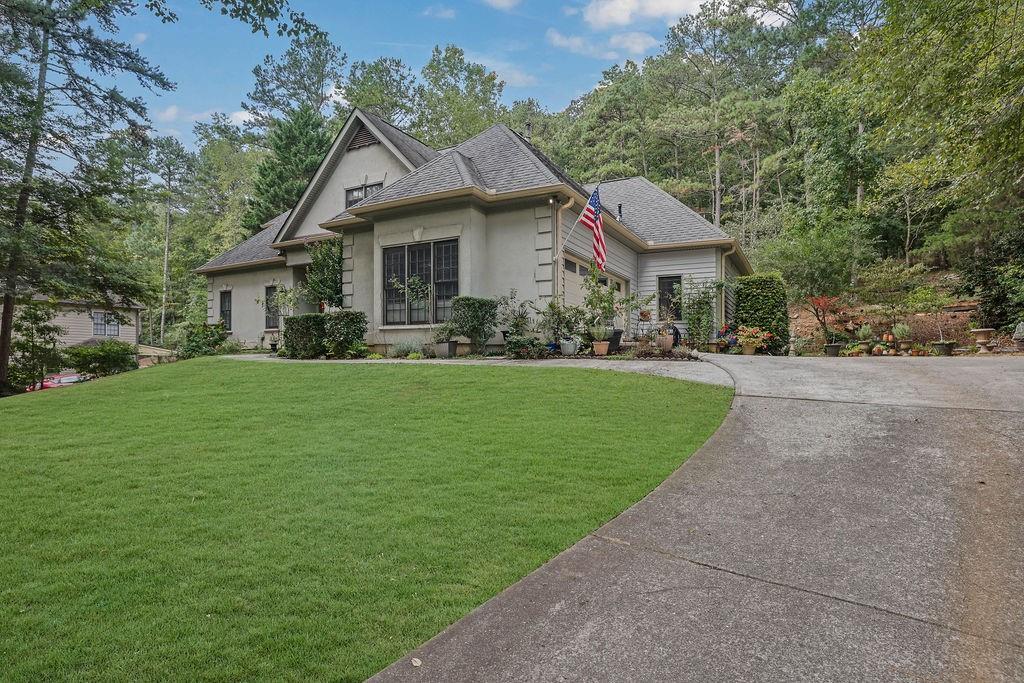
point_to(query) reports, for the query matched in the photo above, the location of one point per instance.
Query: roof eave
(468, 191)
(301, 241)
(204, 270)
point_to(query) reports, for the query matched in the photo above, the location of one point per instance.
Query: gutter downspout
(556, 250)
(724, 256)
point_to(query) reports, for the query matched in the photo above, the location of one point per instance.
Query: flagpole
(569, 234)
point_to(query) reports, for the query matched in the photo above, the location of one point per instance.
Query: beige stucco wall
(357, 167)
(246, 286)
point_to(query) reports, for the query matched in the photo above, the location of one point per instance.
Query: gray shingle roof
(653, 214)
(256, 248)
(415, 151)
(496, 159)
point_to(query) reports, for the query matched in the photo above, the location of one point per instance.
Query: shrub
(415, 355)
(304, 335)
(403, 349)
(108, 357)
(325, 271)
(343, 334)
(761, 302)
(202, 339)
(522, 348)
(474, 318)
(697, 303)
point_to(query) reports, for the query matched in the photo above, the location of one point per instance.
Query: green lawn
(234, 520)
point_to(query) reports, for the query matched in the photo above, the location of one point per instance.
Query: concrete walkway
(852, 519)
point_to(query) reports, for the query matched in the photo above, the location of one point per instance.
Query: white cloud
(439, 12)
(634, 42)
(140, 38)
(502, 4)
(169, 113)
(579, 45)
(172, 132)
(601, 14)
(240, 118)
(202, 115)
(512, 74)
(570, 11)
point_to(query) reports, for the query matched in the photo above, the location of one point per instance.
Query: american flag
(591, 218)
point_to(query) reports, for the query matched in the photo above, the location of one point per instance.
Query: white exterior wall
(699, 264)
(731, 272)
(357, 167)
(248, 319)
(622, 259)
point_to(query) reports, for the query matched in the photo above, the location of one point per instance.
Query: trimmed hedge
(109, 357)
(524, 348)
(345, 331)
(338, 334)
(305, 335)
(475, 318)
(761, 302)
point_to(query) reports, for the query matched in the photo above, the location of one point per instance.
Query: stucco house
(478, 219)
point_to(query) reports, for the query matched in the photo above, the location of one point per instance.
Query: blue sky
(553, 50)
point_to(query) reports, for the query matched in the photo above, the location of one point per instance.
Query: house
(83, 321)
(478, 219)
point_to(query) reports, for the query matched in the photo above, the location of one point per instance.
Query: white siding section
(77, 323)
(699, 264)
(731, 272)
(622, 260)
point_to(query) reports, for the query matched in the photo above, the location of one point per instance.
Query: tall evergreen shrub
(761, 302)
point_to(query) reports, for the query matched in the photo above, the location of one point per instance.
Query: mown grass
(233, 520)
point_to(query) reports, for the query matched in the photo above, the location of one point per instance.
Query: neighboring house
(479, 219)
(83, 321)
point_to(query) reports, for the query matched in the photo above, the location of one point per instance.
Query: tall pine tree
(297, 145)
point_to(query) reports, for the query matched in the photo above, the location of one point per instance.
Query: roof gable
(408, 150)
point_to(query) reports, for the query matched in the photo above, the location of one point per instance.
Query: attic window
(362, 138)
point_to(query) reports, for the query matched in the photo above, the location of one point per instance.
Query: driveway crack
(621, 542)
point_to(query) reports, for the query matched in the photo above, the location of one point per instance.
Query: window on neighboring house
(225, 309)
(273, 315)
(666, 302)
(354, 195)
(437, 264)
(105, 324)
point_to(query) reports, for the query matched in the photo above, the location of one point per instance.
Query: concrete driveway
(852, 519)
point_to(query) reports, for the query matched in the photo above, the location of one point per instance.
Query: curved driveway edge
(852, 519)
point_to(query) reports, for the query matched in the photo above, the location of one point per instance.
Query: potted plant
(823, 306)
(599, 331)
(752, 338)
(666, 338)
(570, 345)
(444, 345)
(902, 333)
(865, 337)
(983, 337)
(513, 315)
(1018, 336)
(929, 300)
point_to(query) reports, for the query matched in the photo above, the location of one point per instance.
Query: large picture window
(225, 309)
(273, 314)
(437, 264)
(666, 300)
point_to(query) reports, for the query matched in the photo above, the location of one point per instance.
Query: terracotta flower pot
(600, 348)
(665, 342)
(749, 349)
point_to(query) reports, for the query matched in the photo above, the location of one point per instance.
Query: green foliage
(457, 98)
(994, 274)
(524, 348)
(556, 321)
(599, 299)
(403, 349)
(761, 302)
(385, 87)
(514, 314)
(297, 145)
(305, 336)
(887, 284)
(324, 273)
(108, 357)
(36, 344)
(202, 339)
(344, 332)
(697, 301)
(926, 299)
(475, 318)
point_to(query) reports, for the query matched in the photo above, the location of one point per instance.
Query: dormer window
(354, 195)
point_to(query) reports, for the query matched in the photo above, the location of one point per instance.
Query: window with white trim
(105, 324)
(354, 195)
